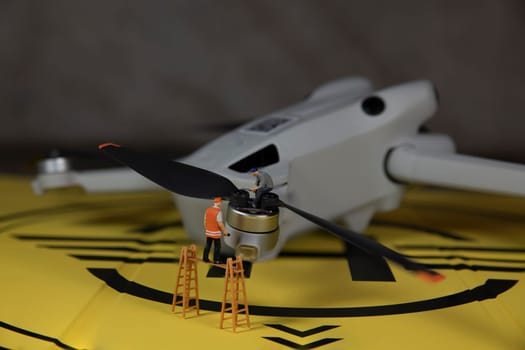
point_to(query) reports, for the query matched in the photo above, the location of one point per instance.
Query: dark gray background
(169, 75)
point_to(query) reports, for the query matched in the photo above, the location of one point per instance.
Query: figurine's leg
(217, 250)
(206, 252)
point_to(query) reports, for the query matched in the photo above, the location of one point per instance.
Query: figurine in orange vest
(214, 227)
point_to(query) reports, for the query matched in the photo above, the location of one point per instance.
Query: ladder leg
(182, 262)
(187, 278)
(226, 285)
(235, 289)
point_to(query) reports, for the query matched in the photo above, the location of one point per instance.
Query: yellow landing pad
(98, 272)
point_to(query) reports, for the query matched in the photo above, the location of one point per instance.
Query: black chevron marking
(299, 333)
(294, 345)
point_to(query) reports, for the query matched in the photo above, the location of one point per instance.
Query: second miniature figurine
(263, 184)
(214, 227)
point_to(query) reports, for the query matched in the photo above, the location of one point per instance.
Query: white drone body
(345, 152)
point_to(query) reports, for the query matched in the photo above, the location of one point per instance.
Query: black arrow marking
(489, 290)
(43, 211)
(471, 249)
(311, 345)
(433, 231)
(151, 228)
(365, 266)
(125, 259)
(95, 239)
(112, 248)
(306, 254)
(465, 258)
(299, 333)
(475, 267)
(477, 212)
(72, 207)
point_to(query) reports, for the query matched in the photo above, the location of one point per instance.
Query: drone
(343, 153)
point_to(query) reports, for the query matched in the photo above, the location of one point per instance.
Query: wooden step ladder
(235, 289)
(187, 287)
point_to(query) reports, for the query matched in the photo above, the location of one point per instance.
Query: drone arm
(408, 164)
(106, 180)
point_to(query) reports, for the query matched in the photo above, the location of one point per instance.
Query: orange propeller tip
(103, 145)
(430, 277)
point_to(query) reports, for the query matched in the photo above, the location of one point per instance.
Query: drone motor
(252, 229)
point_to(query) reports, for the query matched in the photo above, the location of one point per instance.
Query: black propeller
(191, 181)
(177, 177)
(367, 244)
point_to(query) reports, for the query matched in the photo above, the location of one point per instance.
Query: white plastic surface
(107, 180)
(335, 160)
(408, 164)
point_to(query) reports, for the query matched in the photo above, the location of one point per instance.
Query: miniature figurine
(214, 227)
(263, 184)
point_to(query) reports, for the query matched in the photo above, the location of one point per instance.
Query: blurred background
(172, 75)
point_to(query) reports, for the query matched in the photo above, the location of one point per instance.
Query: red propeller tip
(430, 277)
(103, 145)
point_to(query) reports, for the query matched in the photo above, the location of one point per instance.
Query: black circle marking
(489, 290)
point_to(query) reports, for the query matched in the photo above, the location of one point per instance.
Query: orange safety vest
(210, 222)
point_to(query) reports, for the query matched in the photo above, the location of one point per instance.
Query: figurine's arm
(222, 228)
(413, 165)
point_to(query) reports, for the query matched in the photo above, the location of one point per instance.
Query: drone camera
(373, 106)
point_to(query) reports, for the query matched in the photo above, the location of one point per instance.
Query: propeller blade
(177, 177)
(369, 245)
